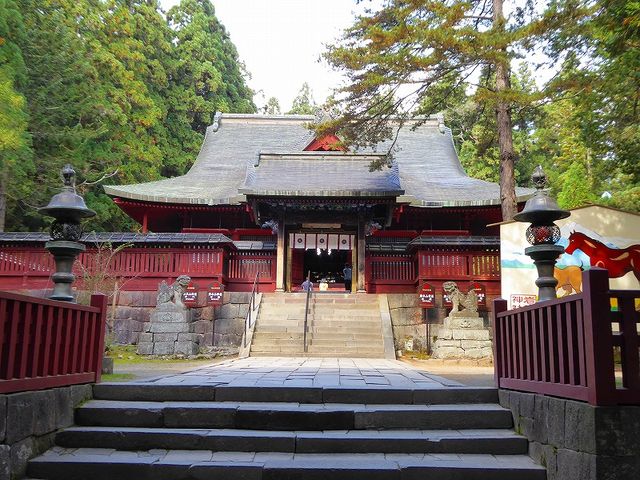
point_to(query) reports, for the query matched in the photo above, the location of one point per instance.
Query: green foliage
(304, 104)
(16, 167)
(272, 107)
(119, 91)
(411, 57)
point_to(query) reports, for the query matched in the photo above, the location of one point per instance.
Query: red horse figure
(617, 261)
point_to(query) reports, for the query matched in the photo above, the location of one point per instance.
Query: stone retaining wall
(221, 327)
(229, 320)
(575, 440)
(406, 317)
(29, 420)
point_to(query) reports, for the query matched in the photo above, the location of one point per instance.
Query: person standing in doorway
(346, 273)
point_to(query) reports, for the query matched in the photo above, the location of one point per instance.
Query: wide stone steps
(338, 325)
(107, 464)
(290, 416)
(179, 431)
(496, 441)
(378, 395)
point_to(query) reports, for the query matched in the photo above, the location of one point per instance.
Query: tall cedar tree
(107, 91)
(15, 153)
(399, 55)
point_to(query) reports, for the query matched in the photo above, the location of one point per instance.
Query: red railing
(569, 347)
(242, 268)
(390, 273)
(459, 265)
(46, 344)
(136, 268)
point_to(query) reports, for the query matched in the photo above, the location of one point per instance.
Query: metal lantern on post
(541, 211)
(68, 209)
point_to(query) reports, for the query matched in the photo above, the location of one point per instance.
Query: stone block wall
(229, 320)
(575, 440)
(406, 317)
(28, 422)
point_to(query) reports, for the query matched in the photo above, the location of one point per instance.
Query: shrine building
(293, 204)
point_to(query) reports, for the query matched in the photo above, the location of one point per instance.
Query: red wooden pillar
(598, 337)
(145, 219)
(499, 306)
(99, 301)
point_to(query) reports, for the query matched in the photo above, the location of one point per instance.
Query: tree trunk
(504, 126)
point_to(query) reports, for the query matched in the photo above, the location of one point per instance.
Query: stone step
(143, 391)
(496, 442)
(291, 416)
(353, 342)
(321, 354)
(107, 464)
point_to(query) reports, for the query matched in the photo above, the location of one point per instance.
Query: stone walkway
(307, 372)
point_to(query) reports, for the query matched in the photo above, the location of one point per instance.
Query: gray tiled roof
(428, 168)
(331, 174)
(122, 237)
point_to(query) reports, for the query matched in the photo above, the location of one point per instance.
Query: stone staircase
(194, 431)
(339, 325)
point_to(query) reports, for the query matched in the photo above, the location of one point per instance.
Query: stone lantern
(541, 211)
(68, 209)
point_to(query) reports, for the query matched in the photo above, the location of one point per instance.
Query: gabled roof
(332, 174)
(427, 167)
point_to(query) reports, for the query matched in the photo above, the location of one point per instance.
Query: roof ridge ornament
(216, 121)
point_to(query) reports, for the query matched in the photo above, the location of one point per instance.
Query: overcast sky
(280, 42)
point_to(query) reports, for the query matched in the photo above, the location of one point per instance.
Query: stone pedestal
(170, 331)
(463, 337)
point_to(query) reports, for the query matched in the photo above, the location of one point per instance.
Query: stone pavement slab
(305, 373)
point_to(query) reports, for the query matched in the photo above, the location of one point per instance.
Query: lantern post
(541, 211)
(67, 209)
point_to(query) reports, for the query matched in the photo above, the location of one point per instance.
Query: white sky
(280, 42)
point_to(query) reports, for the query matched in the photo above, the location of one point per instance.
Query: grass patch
(117, 377)
(124, 355)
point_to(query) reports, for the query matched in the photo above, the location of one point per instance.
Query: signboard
(214, 294)
(427, 296)
(522, 300)
(481, 292)
(190, 296)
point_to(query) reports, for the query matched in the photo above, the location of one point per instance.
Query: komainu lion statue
(467, 300)
(170, 295)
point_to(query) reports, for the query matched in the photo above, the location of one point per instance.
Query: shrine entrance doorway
(324, 255)
(326, 268)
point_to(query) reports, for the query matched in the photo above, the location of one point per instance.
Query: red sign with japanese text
(190, 296)
(214, 294)
(481, 292)
(427, 296)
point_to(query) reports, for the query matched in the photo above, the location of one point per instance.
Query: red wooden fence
(242, 268)
(46, 343)
(451, 265)
(568, 347)
(390, 273)
(135, 268)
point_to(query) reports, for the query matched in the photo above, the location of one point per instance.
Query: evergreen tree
(272, 107)
(400, 54)
(208, 78)
(304, 104)
(15, 155)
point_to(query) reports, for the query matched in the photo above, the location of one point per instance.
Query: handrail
(306, 313)
(252, 307)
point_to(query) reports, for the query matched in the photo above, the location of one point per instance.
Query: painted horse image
(618, 261)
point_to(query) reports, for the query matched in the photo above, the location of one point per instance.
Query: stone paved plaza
(307, 372)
